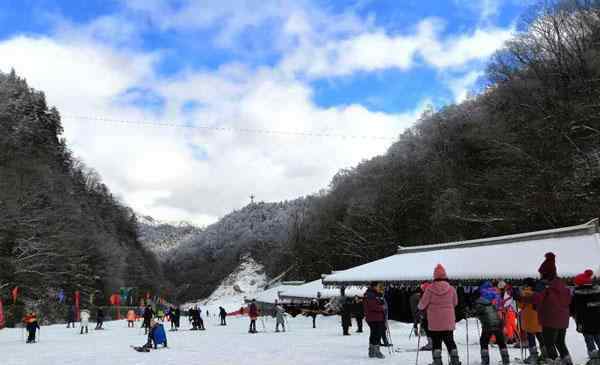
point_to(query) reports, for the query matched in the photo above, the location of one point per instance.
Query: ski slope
(231, 345)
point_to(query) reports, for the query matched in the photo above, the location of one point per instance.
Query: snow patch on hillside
(245, 282)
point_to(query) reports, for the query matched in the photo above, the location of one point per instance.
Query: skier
(131, 318)
(148, 315)
(99, 319)
(71, 316)
(375, 317)
(199, 319)
(586, 311)
(32, 326)
(530, 323)
(223, 315)
(491, 324)
(253, 314)
(439, 300)
(85, 320)
(553, 300)
(280, 316)
(314, 309)
(359, 313)
(193, 318)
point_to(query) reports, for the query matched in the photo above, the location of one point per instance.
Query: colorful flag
(1, 315)
(15, 292)
(77, 298)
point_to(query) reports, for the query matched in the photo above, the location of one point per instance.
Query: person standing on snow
(99, 319)
(31, 324)
(359, 313)
(420, 326)
(491, 324)
(131, 318)
(553, 300)
(375, 316)
(314, 309)
(253, 314)
(586, 311)
(346, 313)
(439, 301)
(223, 315)
(85, 320)
(279, 316)
(530, 322)
(148, 315)
(71, 316)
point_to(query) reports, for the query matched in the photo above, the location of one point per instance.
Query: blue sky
(356, 67)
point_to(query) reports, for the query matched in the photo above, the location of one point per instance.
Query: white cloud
(377, 50)
(154, 169)
(463, 85)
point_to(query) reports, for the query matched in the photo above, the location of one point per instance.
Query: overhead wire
(228, 129)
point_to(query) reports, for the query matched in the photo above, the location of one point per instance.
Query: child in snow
(71, 316)
(586, 311)
(156, 336)
(280, 317)
(440, 300)
(530, 323)
(553, 300)
(253, 314)
(374, 308)
(85, 320)
(130, 318)
(421, 326)
(32, 326)
(491, 324)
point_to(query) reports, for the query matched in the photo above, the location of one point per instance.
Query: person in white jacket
(85, 320)
(280, 316)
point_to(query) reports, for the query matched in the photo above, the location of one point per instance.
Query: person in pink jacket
(439, 301)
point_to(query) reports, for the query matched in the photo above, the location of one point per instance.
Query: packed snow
(232, 344)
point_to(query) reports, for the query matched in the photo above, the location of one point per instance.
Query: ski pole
(389, 335)
(468, 344)
(418, 347)
(411, 332)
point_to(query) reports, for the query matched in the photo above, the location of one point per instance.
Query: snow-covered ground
(230, 345)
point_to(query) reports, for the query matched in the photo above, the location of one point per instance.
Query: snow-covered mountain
(163, 238)
(247, 280)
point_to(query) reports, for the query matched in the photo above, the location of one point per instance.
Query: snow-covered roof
(505, 257)
(314, 290)
(270, 295)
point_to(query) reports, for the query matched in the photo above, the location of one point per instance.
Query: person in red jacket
(375, 316)
(253, 314)
(553, 300)
(439, 301)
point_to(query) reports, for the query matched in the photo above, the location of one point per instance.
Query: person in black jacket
(585, 308)
(71, 316)
(359, 313)
(314, 309)
(32, 326)
(223, 315)
(99, 319)
(491, 324)
(148, 315)
(346, 313)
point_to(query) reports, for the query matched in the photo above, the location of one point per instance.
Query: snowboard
(140, 348)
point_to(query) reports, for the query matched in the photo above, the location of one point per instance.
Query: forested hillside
(521, 156)
(60, 227)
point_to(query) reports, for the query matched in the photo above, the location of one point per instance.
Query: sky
(275, 96)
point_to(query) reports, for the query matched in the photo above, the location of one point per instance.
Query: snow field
(233, 345)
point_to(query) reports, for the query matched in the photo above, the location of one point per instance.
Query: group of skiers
(543, 313)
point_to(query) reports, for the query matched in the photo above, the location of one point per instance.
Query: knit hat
(548, 267)
(439, 273)
(585, 278)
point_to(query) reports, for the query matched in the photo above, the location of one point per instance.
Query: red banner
(2, 323)
(14, 293)
(77, 298)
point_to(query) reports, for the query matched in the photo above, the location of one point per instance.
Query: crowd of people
(534, 314)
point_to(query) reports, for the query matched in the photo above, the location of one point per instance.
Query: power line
(227, 129)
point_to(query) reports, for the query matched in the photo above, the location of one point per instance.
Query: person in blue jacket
(156, 335)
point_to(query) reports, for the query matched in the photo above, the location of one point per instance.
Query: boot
(543, 354)
(454, 359)
(485, 357)
(533, 356)
(86, 330)
(81, 333)
(505, 356)
(437, 357)
(371, 351)
(378, 353)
